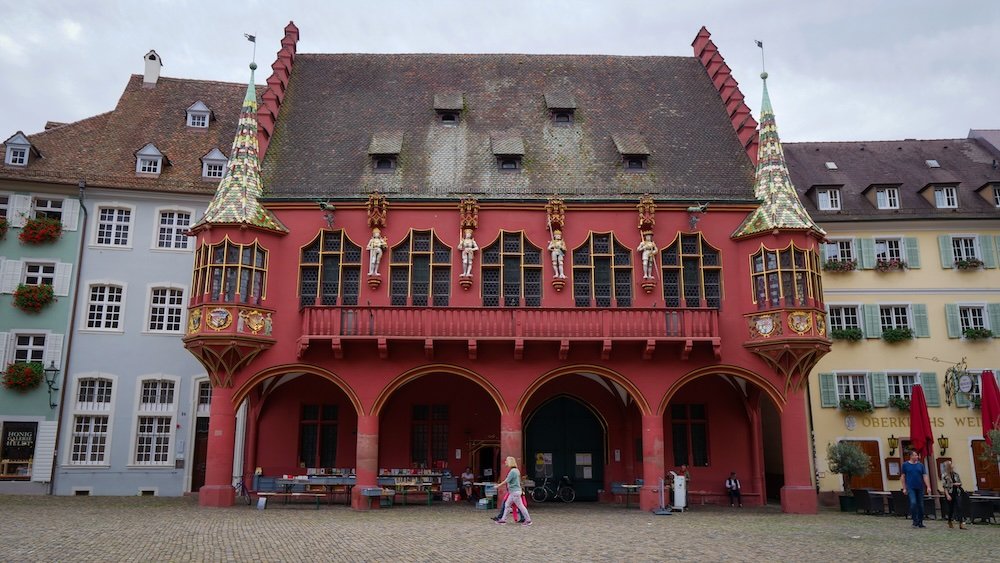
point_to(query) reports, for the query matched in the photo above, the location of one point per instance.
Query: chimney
(152, 74)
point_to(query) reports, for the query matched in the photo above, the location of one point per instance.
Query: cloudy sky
(839, 70)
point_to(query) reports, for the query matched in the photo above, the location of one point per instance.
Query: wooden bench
(315, 496)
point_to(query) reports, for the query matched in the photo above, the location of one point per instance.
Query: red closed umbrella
(921, 434)
(990, 403)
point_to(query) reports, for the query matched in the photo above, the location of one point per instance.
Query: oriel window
(330, 270)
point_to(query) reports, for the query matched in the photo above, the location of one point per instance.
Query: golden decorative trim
(765, 326)
(378, 210)
(555, 211)
(821, 324)
(647, 213)
(194, 321)
(219, 319)
(800, 321)
(468, 210)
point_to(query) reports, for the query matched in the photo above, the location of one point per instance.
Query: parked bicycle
(563, 491)
(242, 492)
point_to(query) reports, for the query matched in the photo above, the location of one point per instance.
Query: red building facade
(581, 353)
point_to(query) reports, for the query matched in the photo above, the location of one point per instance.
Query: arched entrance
(564, 437)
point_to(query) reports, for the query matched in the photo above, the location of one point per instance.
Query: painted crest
(194, 321)
(219, 319)
(800, 322)
(764, 325)
(821, 324)
(255, 320)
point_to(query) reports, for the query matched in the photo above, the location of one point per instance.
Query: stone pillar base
(798, 500)
(216, 495)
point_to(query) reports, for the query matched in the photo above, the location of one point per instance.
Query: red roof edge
(276, 84)
(718, 71)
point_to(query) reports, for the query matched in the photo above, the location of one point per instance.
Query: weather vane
(763, 71)
(253, 39)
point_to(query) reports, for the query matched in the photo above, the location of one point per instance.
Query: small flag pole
(252, 39)
(761, 45)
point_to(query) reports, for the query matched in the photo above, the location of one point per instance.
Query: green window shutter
(873, 323)
(822, 252)
(954, 322)
(989, 253)
(912, 252)
(993, 314)
(928, 380)
(880, 388)
(920, 326)
(947, 253)
(828, 390)
(867, 261)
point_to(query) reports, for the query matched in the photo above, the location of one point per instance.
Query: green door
(569, 431)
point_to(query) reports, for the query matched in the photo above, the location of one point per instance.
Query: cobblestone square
(177, 529)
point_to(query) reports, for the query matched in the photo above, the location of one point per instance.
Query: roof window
(831, 165)
(150, 161)
(213, 165)
(384, 164)
(508, 148)
(932, 164)
(18, 149)
(198, 115)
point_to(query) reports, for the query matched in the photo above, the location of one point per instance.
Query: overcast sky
(839, 70)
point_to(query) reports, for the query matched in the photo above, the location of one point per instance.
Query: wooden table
(629, 491)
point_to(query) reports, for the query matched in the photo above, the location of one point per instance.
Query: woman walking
(513, 484)
(953, 493)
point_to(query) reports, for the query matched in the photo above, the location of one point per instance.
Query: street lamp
(943, 443)
(51, 373)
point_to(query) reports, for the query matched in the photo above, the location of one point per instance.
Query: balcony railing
(562, 325)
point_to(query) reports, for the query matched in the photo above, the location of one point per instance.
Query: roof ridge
(532, 55)
(63, 128)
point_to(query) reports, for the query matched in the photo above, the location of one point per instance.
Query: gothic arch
(421, 371)
(723, 369)
(244, 389)
(618, 378)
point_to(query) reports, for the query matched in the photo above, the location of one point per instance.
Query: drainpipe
(82, 184)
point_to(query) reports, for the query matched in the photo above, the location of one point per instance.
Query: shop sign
(18, 440)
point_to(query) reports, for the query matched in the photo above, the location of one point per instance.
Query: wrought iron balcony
(341, 324)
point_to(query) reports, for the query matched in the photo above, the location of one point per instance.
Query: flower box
(41, 230)
(968, 264)
(897, 334)
(3, 227)
(22, 376)
(900, 403)
(849, 334)
(857, 405)
(835, 265)
(32, 298)
(977, 333)
(890, 265)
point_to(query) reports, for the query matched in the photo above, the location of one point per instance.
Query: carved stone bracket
(374, 282)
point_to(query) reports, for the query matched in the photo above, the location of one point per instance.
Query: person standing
(513, 484)
(953, 493)
(467, 478)
(733, 488)
(915, 483)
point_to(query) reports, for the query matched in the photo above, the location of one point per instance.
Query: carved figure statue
(648, 249)
(468, 247)
(376, 246)
(558, 249)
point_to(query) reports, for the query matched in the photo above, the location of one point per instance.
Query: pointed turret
(780, 207)
(237, 199)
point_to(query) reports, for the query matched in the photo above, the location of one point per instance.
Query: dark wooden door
(987, 473)
(873, 480)
(200, 453)
(567, 429)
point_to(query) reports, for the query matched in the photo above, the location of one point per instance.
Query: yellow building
(912, 287)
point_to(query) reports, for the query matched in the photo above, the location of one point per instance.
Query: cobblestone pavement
(177, 529)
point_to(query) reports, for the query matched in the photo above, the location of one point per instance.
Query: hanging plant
(41, 230)
(22, 376)
(897, 334)
(31, 298)
(850, 334)
(3, 227)
(857, 405)
(900, 403)
(835, 265)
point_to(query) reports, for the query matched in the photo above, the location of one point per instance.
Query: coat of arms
(194, 321)
(763, 325)
(800, 322)
(219, 319)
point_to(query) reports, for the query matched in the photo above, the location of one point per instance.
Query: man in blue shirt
(915, 483)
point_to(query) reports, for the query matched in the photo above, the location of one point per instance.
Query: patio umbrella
(921, 434)
(990, 403)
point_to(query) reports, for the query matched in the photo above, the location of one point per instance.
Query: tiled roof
(386, 142)
(863, 164)
(560, 100)
(452, 101)
(101, 149)
(335, 103)
(780, 207)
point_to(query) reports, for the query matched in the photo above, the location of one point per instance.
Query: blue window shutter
(880, 388)
(920, 325)
(947, 253)
(954, 322)
(873, 321)
(928, 380)
(912, 252)
(989, 253)
(828, 390)
(867, 261)
(993, 314)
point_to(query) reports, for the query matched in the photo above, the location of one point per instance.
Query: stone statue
(376, 246)
(648, 249)
(558, 249)
(468, 247)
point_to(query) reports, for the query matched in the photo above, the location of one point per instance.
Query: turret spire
(237, 199)
(781, 207)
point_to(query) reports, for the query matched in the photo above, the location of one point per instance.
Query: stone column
(652, 461)
(798, 496)
(366, 465)
(218, 488)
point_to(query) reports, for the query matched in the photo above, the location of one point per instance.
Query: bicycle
(564, 491)
(241, 490)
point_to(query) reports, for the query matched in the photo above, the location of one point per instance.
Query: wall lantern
(893, 444)
(51, 373)
(943, 443)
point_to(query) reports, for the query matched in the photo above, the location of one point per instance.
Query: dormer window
(635, 163)
(562, 117)
(149, 160)
(384, 163)
(449, 107)
(561, 106)
(933, 164)
(213, 165)
(384, 151)
(829, 199)
(449, 118)
(946, 197)
(18, 148)
(509, 163)
(887, 198)
(635, 155)
(508, 147)
(198, 115)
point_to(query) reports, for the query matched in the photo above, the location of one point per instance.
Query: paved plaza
(177, 529)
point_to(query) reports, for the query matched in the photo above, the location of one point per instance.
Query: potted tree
(847, 459)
